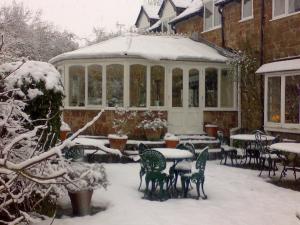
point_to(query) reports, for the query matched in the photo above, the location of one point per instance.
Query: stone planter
(117, 142)
(81, 202)
(211, 130)
(153, 134)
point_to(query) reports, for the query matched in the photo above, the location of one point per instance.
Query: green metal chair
(197, 177)
(226, 150)
(75, 153)
(154, 163)
(142, 148)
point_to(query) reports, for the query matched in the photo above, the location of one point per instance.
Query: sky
(80, 16)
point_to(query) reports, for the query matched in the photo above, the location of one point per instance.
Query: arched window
(114, 85)
(177, 87)
(76, 85)
(138, 85)
(157, 80)
(94, 85)
(194, 88)
(211, 87)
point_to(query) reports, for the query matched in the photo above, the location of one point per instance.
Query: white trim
(242, 12)
(286, 11)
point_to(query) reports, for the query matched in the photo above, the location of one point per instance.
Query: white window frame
(242, 10)
(286, 11)
(219, 108)
(213, 18)
(282, 126)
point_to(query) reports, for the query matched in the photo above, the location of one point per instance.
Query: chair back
(276, 140)
(259, 143)
(142, 148)
(181, 146)
(201, 160)
(190, 147)
(153, 161)
(220, 137)
(75, 152)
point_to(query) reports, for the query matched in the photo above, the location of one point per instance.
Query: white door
(185, 114)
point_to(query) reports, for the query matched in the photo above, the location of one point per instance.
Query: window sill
(246, 19)
(284, 16)
(282, 129)
(212, 29)
(220, 109)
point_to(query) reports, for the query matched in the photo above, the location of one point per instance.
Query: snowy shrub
(40, 84)
(86, 176)
(153, 121)
(121, 119)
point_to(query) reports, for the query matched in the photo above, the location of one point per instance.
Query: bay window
(247, 9)
(138, 84)
(157, 86)
(283, 8)
(76, 85)
(114, 85)
(94, 85)
(212, 17)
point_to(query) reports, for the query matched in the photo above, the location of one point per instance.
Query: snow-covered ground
(235, 197)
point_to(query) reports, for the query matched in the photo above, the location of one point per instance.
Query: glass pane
(211, 87)
(247, 8)
(292, 98)
(138, 85)
(279, 7)
(114, 85)
(226, 89)
(217, 17)
(208, 17)
(157, 86)
(177, 87)
(95, 85)
(194, 88)
(294, 6)
(77, 86)
(274, 98)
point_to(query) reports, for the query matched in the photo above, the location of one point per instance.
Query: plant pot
(171, 143)
(63, 135)
(152, 134)
(211, 130)
(117, 142)
(81, 202)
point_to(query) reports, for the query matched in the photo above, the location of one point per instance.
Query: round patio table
(174, 153)
(251, 137)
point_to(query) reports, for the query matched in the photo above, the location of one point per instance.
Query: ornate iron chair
(154, 163)
(75, 153)
(197, 177)
(142, 148)
(226, 150)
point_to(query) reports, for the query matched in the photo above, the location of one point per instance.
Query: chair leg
(262, 164)
(141, 179)
(198, 189)
(202, 187)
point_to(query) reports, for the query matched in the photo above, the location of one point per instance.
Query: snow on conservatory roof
(153, 47)
(285, 65)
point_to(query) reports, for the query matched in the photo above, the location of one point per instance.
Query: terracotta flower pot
(81, 202)
(171, 143)
(63, 135)
(211, 130)
(152, 134)
(117, 142)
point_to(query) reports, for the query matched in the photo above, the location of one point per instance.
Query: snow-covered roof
(154, 26)
(286, 65)
(153, 47)
(182, 3)
(151, 11)
(194, 7)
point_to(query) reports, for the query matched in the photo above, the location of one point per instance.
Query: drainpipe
(221, 10)
(262, 23)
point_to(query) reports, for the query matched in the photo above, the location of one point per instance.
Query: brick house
(272, 29)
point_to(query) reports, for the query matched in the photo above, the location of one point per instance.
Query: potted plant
(120, 125)
(152, 125)
(84, 179)
(171, 140)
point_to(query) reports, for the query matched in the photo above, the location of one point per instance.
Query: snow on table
(287, 147)
(235, 197)
(174, 153)
(251, 137)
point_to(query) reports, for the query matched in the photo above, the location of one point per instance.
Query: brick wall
(103, 126)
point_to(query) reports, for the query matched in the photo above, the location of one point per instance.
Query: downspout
(262, 23)
(221, 10)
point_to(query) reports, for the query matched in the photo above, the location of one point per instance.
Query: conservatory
(178, 76)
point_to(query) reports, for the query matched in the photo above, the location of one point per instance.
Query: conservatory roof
(285, 65)
(152, 47)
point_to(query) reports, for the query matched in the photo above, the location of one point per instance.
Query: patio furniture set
(260, 150)
(163, 184)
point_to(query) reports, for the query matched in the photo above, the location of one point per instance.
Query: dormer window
(212, 17)
(282, 8)
(247, 9)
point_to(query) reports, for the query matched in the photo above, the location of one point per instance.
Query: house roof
(222, 2)
(193, 9)
(151, 11)
(279, 66)
(177, 4)
(152, 47)
(155, 26)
